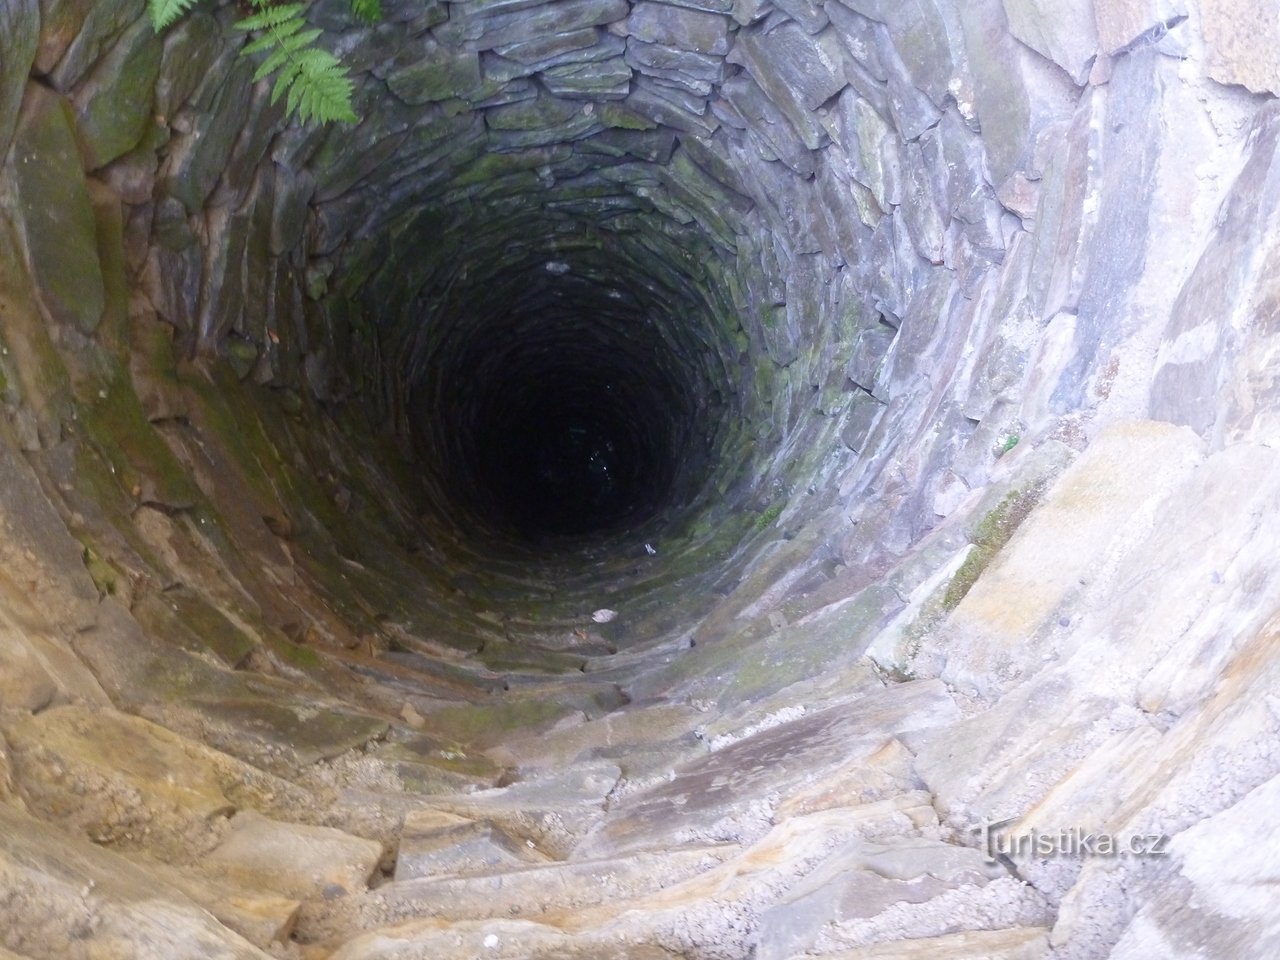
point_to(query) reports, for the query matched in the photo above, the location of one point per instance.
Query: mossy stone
(115, 102)
(62, 234)
(19, 37)
(438, 75)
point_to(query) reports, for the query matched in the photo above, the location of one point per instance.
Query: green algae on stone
(39, 372)
(437, 76)
(61, 231)
(184, 618)
(109, 217)
(140, 459)
(105, 577)
(989, 535)
(115, 101)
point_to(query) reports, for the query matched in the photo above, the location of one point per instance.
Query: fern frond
(288, 49)
(272, 17)
(313, 81)
(370, 11)
(165, 12)
(269, 40)
(322, 89)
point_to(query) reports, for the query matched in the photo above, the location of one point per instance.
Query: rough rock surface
(951, 325)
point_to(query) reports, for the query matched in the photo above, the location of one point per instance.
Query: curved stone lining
(883, 303)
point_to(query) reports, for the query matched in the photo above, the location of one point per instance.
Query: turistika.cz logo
(1074, 842)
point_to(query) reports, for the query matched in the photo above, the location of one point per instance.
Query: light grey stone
(1120, 22)
(1134, 138)
(602, 80)
(1015, 93)
(807, 13)
(680, 66)
(679, 27)
(1064, 32)
(918, 45)
(511, 27)
(544, 48)
(433, 72)
(1234, 270)
(797, 72)
(433, 844)
(859, 881)
(707, 794)
(667, 107)
(768, 124)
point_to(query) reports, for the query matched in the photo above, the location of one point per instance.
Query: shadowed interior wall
(683, 463)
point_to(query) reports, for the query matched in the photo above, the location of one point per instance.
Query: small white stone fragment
(604, 615)
(557, 267)
(491, 942)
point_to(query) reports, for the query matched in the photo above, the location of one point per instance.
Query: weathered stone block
(1233, 284)
(808, 13)
(1120, 22)
(683, 66)
(605, 80)
(1241, 39)
(679, 27)
(1015, 93)
(60, 228)
(191, 46)
(796, 71)
(435, 844)
(1062, 31)
(768, 123)
(19, 38)
(664, 107)
(198, 158)
(870, 144)
(543, 48)
(102, 26)
(291, 859)
(435, 73)
(918, 46)
(544, 20)
(114, 102)
(59, 21)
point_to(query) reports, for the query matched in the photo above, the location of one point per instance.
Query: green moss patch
(988, 537)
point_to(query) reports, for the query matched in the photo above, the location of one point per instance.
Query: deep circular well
(652, 487)
(567, 386)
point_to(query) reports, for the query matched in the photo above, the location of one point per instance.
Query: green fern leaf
(325, 91)
(312, 80)
(289, 48)
(272, 39)
(370, 11)
(271, 17)
(165, 12)
(284, 82)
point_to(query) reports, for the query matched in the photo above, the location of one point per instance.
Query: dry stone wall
(944, 330)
